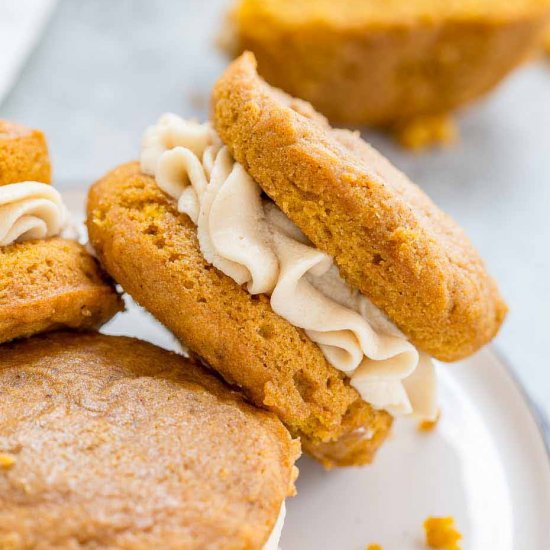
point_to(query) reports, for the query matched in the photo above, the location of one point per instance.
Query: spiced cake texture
(110, 442)
(51, 284)
(23, 154)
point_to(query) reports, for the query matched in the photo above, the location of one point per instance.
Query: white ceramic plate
(486, 464)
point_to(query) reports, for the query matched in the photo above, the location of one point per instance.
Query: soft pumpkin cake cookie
(397, 63)
(23, 154)
(46, 281)
(297, 262)
(110, 442)
(152, 250)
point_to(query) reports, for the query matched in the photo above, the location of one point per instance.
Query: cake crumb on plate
(6, 461)
(426, 131)
(441, 533)
(429, 425)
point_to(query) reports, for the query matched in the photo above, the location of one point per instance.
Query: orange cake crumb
(441, 533)
(427, 131)
(429, 425)
(6, 462)
(374, 547)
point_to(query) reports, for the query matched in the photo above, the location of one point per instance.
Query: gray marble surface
(105, 69)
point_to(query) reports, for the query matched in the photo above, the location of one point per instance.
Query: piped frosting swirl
(252, 241)
(30, 210)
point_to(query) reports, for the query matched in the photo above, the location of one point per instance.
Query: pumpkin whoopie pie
(46, 281)
(111, 442)
(402, 64)
(297, 262)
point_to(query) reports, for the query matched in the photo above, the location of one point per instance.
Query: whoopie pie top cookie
(110, 442)
(388, 239)
(284, 266)
(46, 281)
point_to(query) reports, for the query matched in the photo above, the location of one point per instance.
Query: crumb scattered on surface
(374, 547)
(429, 425)
(424, 132)
(441, 533)
(6, 462)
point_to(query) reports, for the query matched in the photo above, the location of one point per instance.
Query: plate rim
(539, 417)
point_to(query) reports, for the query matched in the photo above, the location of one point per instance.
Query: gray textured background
(105, 69)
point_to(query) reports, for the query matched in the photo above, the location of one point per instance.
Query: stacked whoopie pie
(109, 442)
(297, 262)
(47, 280)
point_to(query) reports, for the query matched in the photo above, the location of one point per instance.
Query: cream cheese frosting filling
(252, 241)
(30, 210)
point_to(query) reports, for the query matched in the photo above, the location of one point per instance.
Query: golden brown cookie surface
(115, 443)
(382, 63)
(51, 284)
(23, 154)
(387, 237)
(153, 252)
